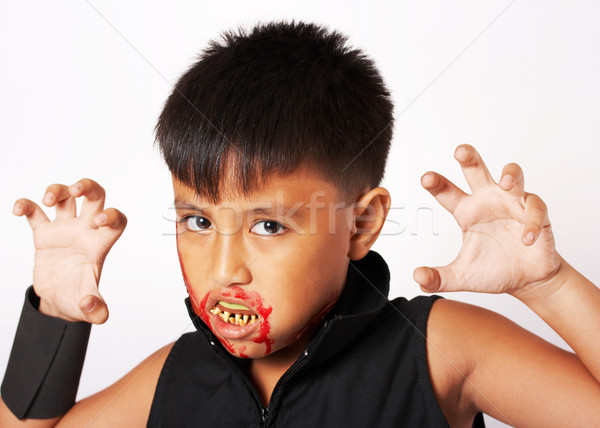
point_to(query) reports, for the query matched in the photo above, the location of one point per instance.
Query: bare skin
(478, 360)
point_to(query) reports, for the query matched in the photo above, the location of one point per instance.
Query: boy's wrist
(545, 291)
(46, 309)
(43, 307)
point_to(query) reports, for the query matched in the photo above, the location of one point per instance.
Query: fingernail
(90, 306)
(48, 198)
(462, 152)
(17, 209)
(77, 187)
(508, 179)
(530, 236)
(101, 219)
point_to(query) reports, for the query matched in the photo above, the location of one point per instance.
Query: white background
(82, 83)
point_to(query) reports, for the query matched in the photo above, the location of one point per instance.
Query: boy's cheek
(182, 265)
(197, 304)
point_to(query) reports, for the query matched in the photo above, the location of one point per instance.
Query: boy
(277, 141)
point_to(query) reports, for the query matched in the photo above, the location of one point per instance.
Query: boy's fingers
(35, 215)
(443, 190)
(473, 168)
(58, 195)
(536, 217)
(111, 218)
(94, 309)
(436, 279)
(512, 178)
(94, 195)
(427, 278)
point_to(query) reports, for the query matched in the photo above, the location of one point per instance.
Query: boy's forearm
(570, 304)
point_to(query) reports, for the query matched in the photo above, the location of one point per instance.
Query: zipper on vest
(264, 416)
(300, 362)
(264, 411)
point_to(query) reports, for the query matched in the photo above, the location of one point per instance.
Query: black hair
(269, 100)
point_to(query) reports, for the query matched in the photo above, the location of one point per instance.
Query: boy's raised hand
(507, 239)
(70, 251)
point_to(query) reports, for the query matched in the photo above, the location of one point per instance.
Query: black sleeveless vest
(365, 367)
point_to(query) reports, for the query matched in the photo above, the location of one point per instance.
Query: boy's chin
(245, 350)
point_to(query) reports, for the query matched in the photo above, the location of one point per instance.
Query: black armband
(45, 363)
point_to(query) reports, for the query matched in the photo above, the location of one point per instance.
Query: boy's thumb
(94, 309)
(434, 279)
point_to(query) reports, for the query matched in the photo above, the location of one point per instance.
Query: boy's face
(280, 253)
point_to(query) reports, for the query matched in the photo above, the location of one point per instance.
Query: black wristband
(45, 363)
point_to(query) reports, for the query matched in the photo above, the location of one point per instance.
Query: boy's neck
(265, 372)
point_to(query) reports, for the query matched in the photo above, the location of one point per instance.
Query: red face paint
(265, 328)
(227, 345)
(241, 352)
(201, 311)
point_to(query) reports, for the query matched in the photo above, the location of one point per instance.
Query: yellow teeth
(235, 319)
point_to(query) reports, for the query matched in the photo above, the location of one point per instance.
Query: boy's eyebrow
(267, 211)
(184, 205)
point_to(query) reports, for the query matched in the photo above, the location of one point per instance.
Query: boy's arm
(44, 368)
(482, 361)
(125, 403)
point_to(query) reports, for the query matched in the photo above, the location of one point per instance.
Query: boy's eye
(197, 223)
(268, 227)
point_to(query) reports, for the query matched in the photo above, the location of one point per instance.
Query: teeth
(235, 319)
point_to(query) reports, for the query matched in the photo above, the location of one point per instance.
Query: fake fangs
(235, 319)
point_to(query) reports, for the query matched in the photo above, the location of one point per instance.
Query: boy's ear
(368, 216)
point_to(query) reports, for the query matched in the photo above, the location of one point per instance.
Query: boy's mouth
(234, 313)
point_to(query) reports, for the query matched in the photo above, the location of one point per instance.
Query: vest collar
(363, 297)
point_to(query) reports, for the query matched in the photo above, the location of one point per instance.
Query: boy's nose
(229, 262)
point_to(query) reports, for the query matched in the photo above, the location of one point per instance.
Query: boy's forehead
(297, 195)
(299, 186)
